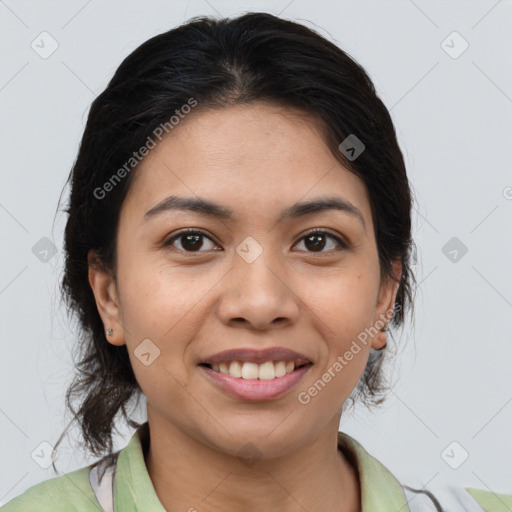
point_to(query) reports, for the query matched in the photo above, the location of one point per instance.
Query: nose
(258, 295)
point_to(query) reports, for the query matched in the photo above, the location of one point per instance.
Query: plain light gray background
(453, 115)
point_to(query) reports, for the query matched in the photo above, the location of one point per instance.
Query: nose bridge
(257, 290)
(259, 270)
(262, 275)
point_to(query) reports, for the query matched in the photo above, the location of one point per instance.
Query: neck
(189, 475)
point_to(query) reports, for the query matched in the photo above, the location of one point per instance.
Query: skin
(256, 160)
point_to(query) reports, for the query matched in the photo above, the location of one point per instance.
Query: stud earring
(385, 328)
(110, 332)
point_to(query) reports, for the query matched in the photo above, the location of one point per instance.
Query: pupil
(193, 242)
(317, 243)
(194, 245)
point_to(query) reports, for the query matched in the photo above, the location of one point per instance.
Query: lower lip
(256, 390)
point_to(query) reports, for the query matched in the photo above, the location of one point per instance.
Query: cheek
(343, 307)
(161, 306)
(345, 301)
(155, 300)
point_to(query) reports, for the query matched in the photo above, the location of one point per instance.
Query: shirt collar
(133, 488)
(134, 491)
(380, 490)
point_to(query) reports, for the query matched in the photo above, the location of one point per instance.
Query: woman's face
(250, 280)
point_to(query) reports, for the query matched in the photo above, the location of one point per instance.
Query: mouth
(269, 370)
(255, 375)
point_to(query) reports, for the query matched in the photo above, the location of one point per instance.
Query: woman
(238, 240)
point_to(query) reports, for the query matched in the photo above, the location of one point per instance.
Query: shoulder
(490, 500)
(455, 498)
(70, 491)
(379, 485)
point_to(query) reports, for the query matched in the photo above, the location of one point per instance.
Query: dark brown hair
(218, 62)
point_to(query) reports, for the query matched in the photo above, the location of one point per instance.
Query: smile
(255, 375)
(268, 370)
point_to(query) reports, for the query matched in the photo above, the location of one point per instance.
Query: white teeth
(249, 371)
(280, 368)
(235, 369)
(266, 371)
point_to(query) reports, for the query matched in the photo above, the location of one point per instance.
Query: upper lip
(257, 356)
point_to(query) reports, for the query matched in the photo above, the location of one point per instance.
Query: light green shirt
(133, 490)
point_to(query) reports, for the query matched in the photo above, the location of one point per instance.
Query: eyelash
(189, 231)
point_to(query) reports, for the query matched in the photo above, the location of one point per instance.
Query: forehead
(257, 155)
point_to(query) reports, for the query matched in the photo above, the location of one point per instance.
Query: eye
(316, 240)
(191, 240)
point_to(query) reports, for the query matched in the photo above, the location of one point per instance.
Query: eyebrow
(211, 209)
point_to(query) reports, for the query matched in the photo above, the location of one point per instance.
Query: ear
(385, 303)
(103, 285)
